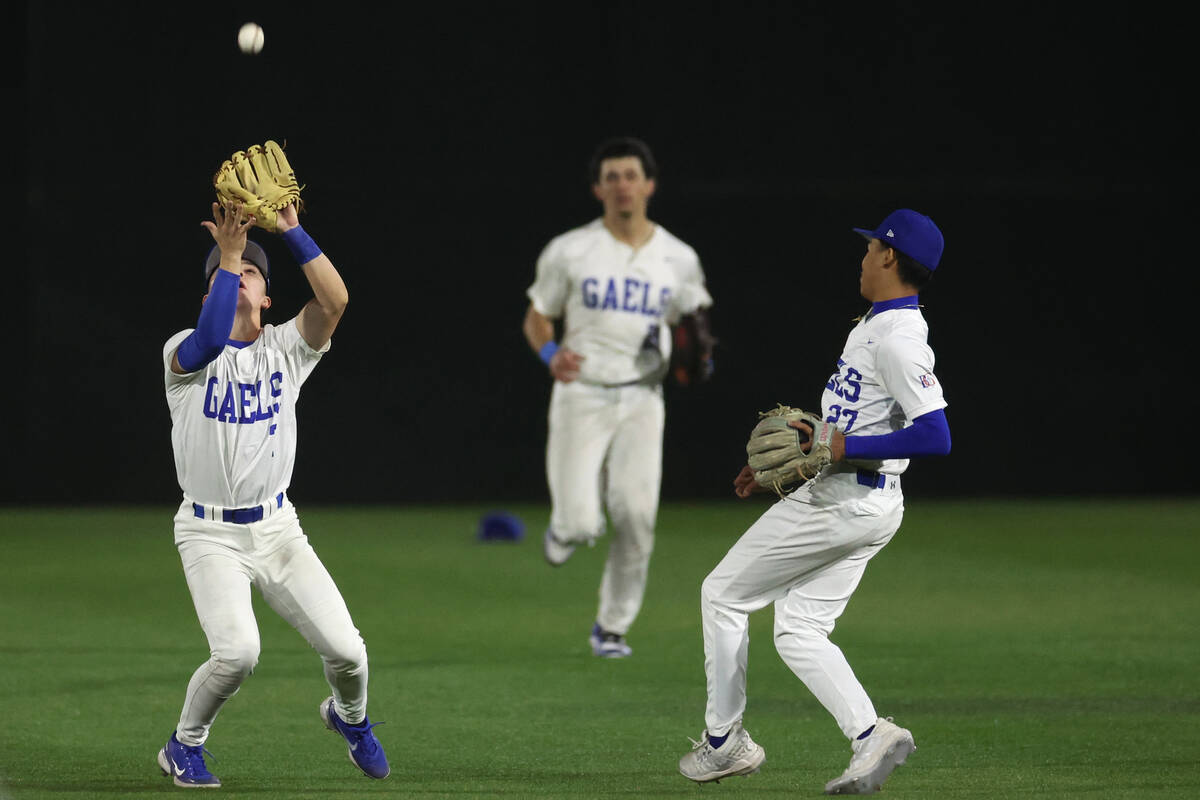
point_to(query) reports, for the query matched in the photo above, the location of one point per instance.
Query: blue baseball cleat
(186, 765)
(365, 750)
(606, 644)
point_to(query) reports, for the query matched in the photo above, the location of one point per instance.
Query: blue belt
(875, 480)
(241, 516)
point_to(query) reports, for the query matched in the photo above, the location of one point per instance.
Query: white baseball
(250, 38)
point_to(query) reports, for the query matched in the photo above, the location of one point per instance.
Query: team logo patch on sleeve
(927, 380)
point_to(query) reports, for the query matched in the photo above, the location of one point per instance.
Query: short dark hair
(622, 147)
(910, 271)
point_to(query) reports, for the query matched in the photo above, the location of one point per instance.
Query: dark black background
(442, 146)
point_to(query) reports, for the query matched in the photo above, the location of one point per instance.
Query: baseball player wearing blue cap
(807, 553)
(618, 284)
(232, 384)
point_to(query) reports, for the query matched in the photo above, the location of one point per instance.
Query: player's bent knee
(710, 593)
(631, 551)
(237, 662)
(800, 628)
(639, 552)
(719, 597)
(347, 658)
(638, 516)
(805, 646)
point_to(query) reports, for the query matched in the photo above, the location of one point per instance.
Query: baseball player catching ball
(232, 384)
(618, 283)
(807, 553)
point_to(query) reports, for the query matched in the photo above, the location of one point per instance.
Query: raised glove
(262, 180)
(774, 448)
(692, 349)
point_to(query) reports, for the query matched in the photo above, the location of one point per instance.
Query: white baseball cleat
(556, 552)
(874, 759)
(738, 755)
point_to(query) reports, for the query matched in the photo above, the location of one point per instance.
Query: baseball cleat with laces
(737, 755)
(874, 759)
(365, 751)
(607, 644)
(185, 764)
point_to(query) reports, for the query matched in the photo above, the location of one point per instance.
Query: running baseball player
(618, 284)
(881, 407)
(232, 385)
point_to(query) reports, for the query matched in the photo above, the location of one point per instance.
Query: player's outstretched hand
(227, 231)
(564, 365)
(744, 484)
(286, 218)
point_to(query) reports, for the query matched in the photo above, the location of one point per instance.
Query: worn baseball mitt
(692, 346)
(774, 448)
(262, 180)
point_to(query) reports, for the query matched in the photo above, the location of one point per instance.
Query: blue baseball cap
(253, 253)
(911, 233)
(501, 526)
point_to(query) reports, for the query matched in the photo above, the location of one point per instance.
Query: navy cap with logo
(253, 253)
(911, 233)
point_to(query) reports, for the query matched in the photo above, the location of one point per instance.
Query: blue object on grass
(501, 527)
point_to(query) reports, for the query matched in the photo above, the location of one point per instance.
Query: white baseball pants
(806, 555)
(221, 562)
(604, 450)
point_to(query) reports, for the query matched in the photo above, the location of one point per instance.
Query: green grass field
(1035, 649)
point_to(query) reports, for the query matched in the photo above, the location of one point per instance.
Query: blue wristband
(548, 350)
(303, 248)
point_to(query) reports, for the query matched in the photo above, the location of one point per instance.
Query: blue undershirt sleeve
(215, 323)
(929, 435)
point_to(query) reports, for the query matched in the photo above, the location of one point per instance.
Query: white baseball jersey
(617, 300)
(233, 422)
(884, 379)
